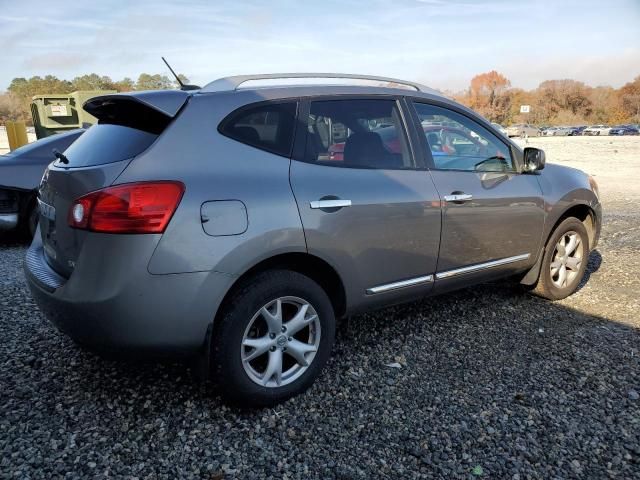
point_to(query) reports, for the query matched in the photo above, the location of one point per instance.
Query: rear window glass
(358, 133)
(107, 143)
(268, 126)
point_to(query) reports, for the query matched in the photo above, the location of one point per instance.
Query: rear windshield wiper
(60, 156)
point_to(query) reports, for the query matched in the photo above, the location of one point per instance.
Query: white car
(522, 129)
(597, 130)
(563, 131)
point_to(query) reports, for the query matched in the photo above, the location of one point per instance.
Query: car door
(492, 215)
(367, 206)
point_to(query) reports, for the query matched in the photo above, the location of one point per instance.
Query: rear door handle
(333, 203)
(458, 197)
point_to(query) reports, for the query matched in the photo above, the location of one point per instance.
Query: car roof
(302, 84)
(293, 91)
(170, 101)
(235, 82)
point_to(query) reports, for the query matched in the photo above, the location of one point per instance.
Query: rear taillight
(145, 207)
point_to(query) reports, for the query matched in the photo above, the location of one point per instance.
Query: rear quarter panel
(214, 167)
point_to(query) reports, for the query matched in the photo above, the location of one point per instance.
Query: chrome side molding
(401, 284)
(387, 287)
(481, 266)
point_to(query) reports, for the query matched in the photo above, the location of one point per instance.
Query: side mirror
(534, 159)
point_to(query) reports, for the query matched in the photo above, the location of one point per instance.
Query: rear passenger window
(267, 126)
(357, 134)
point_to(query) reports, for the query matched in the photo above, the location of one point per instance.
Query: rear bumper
(128, 311)
(8, 221)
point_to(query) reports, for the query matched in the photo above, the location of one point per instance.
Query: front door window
(458, 143)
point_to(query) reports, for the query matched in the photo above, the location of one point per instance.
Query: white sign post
(526, 109)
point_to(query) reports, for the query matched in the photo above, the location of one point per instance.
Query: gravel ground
(493, 383)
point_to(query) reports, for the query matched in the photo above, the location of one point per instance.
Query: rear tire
(564, 262)
(261, 354)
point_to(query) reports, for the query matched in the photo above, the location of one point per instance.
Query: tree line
(553, 102)
(15, 102)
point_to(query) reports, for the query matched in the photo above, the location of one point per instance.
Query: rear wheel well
(309, 265)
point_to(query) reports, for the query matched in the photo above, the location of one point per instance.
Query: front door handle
(458, 197)
(330, 203)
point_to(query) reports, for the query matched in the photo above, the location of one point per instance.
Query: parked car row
(562, 131)
(625, 130)
(525, 129)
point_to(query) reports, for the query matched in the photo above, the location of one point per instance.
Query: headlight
(594, 186)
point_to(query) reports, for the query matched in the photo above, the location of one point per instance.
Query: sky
(441, 43)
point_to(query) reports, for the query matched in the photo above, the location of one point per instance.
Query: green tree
(24, 89)
(183, 78)
(93, 81)
(153, 82)
(124, 85)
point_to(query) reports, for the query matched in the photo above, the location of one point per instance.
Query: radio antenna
(182, 85)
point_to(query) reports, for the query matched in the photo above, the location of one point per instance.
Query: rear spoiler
(150, 111)
(167, 102)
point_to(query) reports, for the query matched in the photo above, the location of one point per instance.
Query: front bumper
(112, 305)
(8, 221)
(598, 225)
(9, 209)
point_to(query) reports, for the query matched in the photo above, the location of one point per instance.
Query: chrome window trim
(481, 266)
(387, 287)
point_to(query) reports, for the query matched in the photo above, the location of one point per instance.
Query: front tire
(564, 262)
(272, 339)
(29, 221)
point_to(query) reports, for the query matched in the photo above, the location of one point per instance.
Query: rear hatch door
(128, 125)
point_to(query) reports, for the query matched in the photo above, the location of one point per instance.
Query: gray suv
(238, 223)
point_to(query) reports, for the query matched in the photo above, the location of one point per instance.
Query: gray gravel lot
(494, 384)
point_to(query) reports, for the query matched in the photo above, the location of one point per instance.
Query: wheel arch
(582, 212)
(306, 264)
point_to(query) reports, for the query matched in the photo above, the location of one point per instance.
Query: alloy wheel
(280, 342)
(567, 260)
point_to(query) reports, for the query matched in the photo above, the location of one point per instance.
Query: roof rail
(232, 83)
